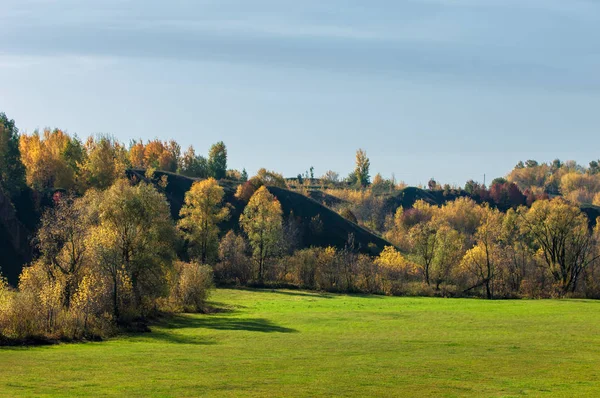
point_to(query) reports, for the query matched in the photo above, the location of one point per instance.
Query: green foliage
(217, 160)
(12, 170)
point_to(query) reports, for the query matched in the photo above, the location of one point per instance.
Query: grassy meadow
(295, 343)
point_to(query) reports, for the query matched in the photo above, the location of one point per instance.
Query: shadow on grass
(216, 322)
(311, 293)
(300, 294)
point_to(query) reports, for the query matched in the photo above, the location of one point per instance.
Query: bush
(191, 286)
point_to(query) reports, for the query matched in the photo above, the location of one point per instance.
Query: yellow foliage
(574, 181)
(392, 259)
(201, 214)
(596, 200)
(44, 161)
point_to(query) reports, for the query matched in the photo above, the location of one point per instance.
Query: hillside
(319, 225)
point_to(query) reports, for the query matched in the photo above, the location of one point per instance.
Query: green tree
(217, 160)
(200, 216)
(262, 222)
(133, 242)
(12, 170)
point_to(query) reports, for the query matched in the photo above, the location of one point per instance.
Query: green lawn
(291, 343)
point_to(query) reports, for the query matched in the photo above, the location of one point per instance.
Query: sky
(444, 89)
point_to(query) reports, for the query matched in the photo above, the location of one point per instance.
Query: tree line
(109, 254)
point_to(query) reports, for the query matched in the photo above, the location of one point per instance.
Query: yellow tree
(423, 242)
(136, 155)
(483, 260)
(43, 156)
(262, 222)
(62, 241)
(133, 241)
(362, 168)
(200, 216)
(105, 163)
(560, 231)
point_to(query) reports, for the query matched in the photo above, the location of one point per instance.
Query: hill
(317, 224)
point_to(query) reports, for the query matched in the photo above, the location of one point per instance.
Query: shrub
(191, 287)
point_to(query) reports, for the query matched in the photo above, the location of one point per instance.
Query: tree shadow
(175, 338)
(216, 322)
(300, 294)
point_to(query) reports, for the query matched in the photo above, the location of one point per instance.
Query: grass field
(292, 343)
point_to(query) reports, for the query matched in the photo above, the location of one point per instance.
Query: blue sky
(449, 89)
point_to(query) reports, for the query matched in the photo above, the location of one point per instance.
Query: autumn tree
(271, 178)
(262, 222)
(482, 261)
(193, 165)
(12, 170)
(331, 177)
(106, 162)
(217, 160)
(133, 242)
(136, 154)
(200, 216)
(51, 159)
(62, 241)
(424, 240)
(362, 168)
(446, 256)
(234, 264)
(560, 231)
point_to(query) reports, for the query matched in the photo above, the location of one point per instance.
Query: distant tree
(556, 165)
(200, 216)
(506, 195)
(531, 163)
(499, 180)
(233, 174)
(520, 165)
(331, 177)
(262, 222)
(471, 187)
(594, 167)
(351, 180)
(245, 191)
(136, 154)
(217, 160)
(432, 184)
(362, 168)
(74, 154)
(12, 170)
(105, 162)
(300, 179)
(312, 173)
(192, 165)
(45, 161)
(271, 178)
(244, 176)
